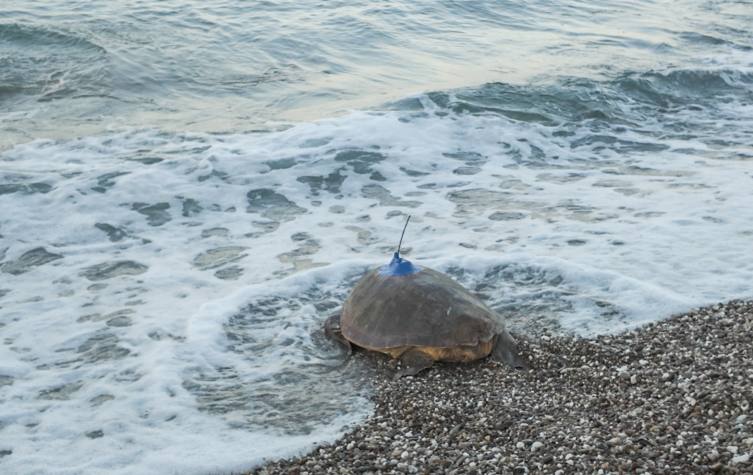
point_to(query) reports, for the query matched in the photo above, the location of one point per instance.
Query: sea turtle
(420, 316)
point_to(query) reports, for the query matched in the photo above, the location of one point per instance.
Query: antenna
(401, 236)
(399, 266)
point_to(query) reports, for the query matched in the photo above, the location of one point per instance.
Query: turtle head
(399, 266)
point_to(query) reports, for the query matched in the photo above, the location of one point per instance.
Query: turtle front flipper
(414, 361)
(505, 350)
(333, 331)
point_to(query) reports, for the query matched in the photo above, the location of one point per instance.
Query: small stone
(600, 424)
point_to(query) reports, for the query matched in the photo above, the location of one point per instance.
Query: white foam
(606, 240)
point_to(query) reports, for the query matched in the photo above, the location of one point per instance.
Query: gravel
(674, 396)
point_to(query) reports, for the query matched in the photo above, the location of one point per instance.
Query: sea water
(188, 190)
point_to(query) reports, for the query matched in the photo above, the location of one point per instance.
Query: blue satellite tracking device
(398, 265)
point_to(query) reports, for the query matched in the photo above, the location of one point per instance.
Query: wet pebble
(672, 397)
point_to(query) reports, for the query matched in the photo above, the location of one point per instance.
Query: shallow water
(72, 68)
(176, 227)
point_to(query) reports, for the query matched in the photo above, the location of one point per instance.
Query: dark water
(71, 68)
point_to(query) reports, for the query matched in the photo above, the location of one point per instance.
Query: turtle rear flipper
(333, 331)
(505, 350)
(414, 361)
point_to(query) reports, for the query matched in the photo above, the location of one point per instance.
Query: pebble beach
(672, 397)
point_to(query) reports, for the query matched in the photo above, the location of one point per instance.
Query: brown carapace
(420, 318)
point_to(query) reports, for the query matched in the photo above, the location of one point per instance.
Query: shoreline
(671, 397)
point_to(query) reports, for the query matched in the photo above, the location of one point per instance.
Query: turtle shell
(425, 309)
